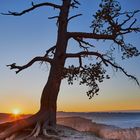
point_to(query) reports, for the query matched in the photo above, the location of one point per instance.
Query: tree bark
(51, 89)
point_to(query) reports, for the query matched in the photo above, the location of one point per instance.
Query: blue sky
(22, 38)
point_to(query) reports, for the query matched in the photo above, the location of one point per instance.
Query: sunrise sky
(22, 38)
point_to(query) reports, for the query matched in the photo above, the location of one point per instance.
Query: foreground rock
(101, 130)
(76, 128)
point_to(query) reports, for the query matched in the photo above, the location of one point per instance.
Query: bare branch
(86, 53)
(74, 16)
(80, 61)
(20, 68)
(129, 30)
(132, 23)
(129, 16)
(90, 35)
(50, 50)
(82, 43)
(74, 3)
(53, 17)
(34, 6)
(122, 70)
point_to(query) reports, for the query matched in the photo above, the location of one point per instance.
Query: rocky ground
(77, 128)
(65, 133)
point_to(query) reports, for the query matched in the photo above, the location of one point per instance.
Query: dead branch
(86, 53)
(129, 30)
(117, 67)
(20, 68)
(49, 53)
(82, 43)
(74, 3)
(80, 61)
(53, 17)
(90, 35)
(50, 50)
(74, 16)
(34, 6)
(129, 16)
(77, 2)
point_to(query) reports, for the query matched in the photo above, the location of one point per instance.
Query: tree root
(56, 137)
(41, 128)
(44, 131)
(47, 131)
(35, 132)
(54, 132)
(12, 137)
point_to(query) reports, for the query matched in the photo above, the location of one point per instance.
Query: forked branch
(117, 67)
(107, 62)
(20, 68)
(50, 50)
(86, 54)
(129, 16)
(34, 6)
(75, 4)
(83, 44)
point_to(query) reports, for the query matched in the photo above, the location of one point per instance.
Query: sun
(16, 111)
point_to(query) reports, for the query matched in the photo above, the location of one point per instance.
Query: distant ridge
(6, 117)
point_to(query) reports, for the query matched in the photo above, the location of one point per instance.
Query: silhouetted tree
(109, 23)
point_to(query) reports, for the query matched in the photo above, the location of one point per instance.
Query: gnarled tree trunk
(51, 89)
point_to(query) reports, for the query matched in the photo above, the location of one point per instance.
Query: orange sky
(74, 99)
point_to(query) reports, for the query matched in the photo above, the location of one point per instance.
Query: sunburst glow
(16, 111)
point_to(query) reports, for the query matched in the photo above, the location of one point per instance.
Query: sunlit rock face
(121, 134)
(101, 130)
